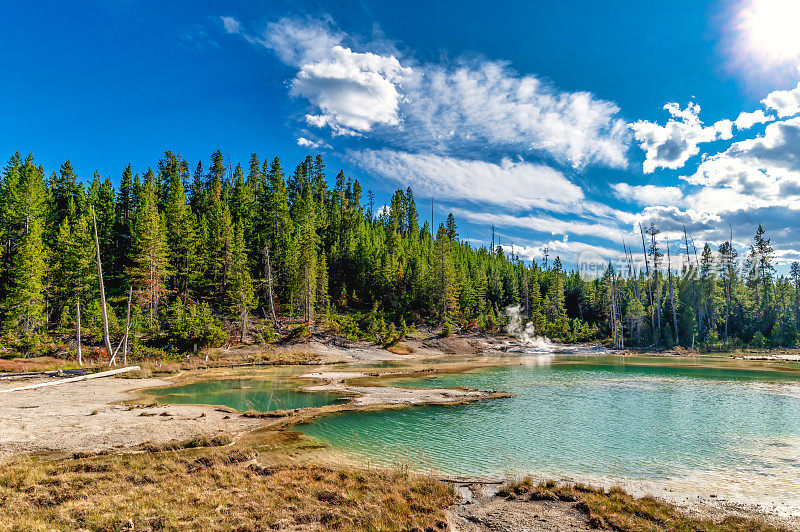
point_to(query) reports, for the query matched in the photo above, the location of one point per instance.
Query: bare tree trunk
(672, 297)
(270, 287)
(106, 338)
(78, 331)
(649, 284)
(127, 327)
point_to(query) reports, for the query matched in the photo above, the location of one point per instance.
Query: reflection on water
(709, 427)
(243, 394)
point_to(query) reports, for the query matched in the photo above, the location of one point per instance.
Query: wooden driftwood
(74, 379)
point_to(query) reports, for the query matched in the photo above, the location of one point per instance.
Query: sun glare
(772, 28)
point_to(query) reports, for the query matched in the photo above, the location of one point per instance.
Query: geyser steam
(525, 335)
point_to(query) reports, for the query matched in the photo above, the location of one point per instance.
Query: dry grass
(614, 509)
(400, 349)
(213, 489)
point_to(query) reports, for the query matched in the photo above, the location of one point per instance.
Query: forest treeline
(216, 253)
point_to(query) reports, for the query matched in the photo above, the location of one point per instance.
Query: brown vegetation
(614, 509)
(220, 488)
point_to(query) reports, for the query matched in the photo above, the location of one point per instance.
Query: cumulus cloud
(756, 166)
(671, 145)
(230, 24)
(452, 109)
(647, 194)
(785, 103)
(747, 120)
(354, 91)
(516, 185)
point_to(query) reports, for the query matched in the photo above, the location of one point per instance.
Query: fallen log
(75, 379)
(51, 373)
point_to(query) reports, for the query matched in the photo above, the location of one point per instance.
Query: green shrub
(191, 326)
(758, 340)
(447, 329)
(266, 334)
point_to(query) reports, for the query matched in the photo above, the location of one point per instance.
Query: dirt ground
(82, 417)
(480, 510)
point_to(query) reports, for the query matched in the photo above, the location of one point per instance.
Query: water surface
(262, 395)
(709, 426)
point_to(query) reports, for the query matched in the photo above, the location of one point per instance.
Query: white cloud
(542, 224)
(761, 166)
(300, 41)
(647, 194)
(671, 145)
(747, 120)
(451, 109)
(230, 24)
(354, 91)
(488, 102)
(785, 103)
(569, 252)
(519, 185)
(313, 144)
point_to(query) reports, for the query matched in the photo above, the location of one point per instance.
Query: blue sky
(564, 123)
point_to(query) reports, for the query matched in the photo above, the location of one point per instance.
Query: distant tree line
(219, 253)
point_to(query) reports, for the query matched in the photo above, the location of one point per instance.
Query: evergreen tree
(306, 256)
(149, 268)
(240, 288)
(25, 300)
(181, 238)
(279, 228)
(126, 204)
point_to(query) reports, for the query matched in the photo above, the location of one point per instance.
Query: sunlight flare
(771, 28)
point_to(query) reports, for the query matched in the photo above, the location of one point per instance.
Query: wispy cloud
(514, 185)
(230, 24)
(542, 224)
(647, 194)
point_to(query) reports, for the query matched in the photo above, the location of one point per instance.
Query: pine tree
(306, 253)
(72, 265)
(9, 225)
(242, 204)
(181, 237)
(101, 199)
(240, 288)
(149, 253)
(64, 188)
(279, 229)
(24, 302)
(444, 283)
(124, 212)
(217, 247)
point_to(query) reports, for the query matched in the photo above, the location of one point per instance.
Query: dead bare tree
(106, 337)
(127, 327)
(78, 331)
(649, 285)
(269, 280)
(672, 296)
